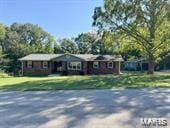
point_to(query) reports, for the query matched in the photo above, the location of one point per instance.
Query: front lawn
(126, 80)
(3, 75)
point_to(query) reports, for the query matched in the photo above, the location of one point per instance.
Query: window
(110, 64)
(74, 65)
(29, 64)
(95, 64)
(45, 64)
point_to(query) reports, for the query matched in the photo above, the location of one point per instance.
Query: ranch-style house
(68, 64)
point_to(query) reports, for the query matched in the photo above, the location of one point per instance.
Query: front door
(57, 66)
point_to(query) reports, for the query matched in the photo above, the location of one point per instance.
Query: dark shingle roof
(86, 57)
(42, 57)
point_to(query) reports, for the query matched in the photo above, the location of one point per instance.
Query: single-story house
(136, 65)
(45, 64)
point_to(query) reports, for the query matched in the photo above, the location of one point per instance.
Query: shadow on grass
(92, 82)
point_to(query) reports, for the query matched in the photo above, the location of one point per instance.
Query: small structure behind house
(136, 65)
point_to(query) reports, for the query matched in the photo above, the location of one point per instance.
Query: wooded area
(132, 28)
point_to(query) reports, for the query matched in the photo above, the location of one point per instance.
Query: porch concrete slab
(82, 108)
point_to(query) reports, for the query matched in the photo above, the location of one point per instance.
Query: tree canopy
(68, 46)
(90, 42)
(144, 22)
(19, 40)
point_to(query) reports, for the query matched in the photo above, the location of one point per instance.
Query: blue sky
(61, 18)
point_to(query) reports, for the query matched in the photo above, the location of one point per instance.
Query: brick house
(45, 64)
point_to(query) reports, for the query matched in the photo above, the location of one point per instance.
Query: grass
(3, 75)
(126, 80)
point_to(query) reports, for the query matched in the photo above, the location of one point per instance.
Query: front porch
(69, 67)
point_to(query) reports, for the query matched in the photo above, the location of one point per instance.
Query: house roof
(41, 57)
(86, 57)
(136, 60)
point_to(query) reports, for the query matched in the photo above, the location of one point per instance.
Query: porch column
(84, 68)
(117, 67)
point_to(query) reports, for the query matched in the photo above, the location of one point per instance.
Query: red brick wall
(102, 69)
(117, 67)
(87, 68)
(37, 69)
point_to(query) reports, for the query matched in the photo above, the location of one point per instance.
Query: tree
(58, 49)
(3, 61)
(146, 22)
(2, 35)
(84, 42)
(111, 42)
(23, 39)
(68, 46)
(34, 36)
(90, 42)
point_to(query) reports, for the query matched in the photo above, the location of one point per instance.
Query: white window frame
(29, 64)
(108, 65)
(96, 65)
(74, 65)
(45, 64)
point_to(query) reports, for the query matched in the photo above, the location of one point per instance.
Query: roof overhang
(68, 56)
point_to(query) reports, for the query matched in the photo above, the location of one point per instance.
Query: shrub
(3, 74)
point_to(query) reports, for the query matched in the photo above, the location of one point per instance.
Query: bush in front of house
(3, 74)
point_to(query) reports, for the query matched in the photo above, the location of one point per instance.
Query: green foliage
(2, 31)
(90, 42)
(22, 39)
(163, 61)
(34, 37)
(3, 61)
(84, 42)
(146, 22)
(68, 46)
(3, 74)
(57, 49)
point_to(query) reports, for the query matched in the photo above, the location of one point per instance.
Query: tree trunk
(151, 65)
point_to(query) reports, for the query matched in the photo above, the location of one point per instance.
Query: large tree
(90, 42)
(23, 39)
(146, 22)
(68, 46)
(34, 36)
(84, 42)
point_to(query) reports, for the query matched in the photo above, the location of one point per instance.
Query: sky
(61, 18)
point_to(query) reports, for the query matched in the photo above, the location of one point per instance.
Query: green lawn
(126, 80)
(3, 75)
